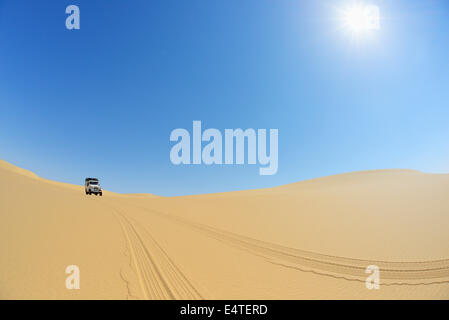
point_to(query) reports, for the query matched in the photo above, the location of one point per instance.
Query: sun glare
(361, 18)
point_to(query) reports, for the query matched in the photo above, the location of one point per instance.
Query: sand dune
(307, 240)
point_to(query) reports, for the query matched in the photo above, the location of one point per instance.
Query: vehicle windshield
(94, 183)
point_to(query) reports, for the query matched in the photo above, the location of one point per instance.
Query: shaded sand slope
(311, 239)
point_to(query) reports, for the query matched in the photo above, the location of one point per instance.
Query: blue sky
(101, 101)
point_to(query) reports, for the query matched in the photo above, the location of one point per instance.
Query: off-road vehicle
(92, 186)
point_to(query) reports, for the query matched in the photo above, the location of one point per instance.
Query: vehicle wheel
(90, 193)
(101, 194)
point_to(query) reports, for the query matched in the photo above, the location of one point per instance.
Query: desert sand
(307, 240)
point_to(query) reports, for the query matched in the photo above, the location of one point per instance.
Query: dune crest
(12, 168)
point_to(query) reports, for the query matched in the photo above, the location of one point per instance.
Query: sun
(359, 19)
(355, 19)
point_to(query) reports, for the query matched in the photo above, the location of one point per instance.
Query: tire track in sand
(392, 272)
(159, 277)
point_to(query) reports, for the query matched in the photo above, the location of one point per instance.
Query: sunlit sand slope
(312, 239)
